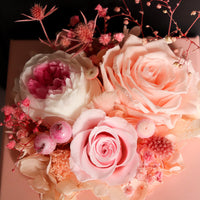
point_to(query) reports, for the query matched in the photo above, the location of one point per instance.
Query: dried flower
(105, 39)
(59, 167)
(38, 13)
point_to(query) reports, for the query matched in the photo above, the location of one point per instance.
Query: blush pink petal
(119, 123)
(94, 171)
(87, 120)
(103, 134)
(126, 172)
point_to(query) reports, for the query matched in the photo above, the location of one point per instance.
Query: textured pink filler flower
(118, 36)
(104, 39)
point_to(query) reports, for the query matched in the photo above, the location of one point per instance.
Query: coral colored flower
(101, 11)
(103, 148)
(148, 82)
(104, 39)
(56, 85)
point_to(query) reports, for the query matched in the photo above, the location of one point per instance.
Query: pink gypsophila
(101, 11)
(104, 39)
(118, 36)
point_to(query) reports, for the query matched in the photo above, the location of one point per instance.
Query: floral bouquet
(104, 112)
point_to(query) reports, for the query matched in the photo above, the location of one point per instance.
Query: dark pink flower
(48, 77)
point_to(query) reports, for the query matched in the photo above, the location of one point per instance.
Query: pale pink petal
(119, 123)
(126, 173)
(87, 120)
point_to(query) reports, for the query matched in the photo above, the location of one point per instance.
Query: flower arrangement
(104, 113)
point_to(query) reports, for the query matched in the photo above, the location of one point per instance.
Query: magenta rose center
(49, 78)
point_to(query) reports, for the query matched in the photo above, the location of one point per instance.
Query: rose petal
(87, 120)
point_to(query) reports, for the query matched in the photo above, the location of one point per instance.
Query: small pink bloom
(61, 132)
(103, 148)
(118, 36)
(101, 11)
(11, 144)
(8, 110)
(74, 20)
(104, 39)
(44, 144)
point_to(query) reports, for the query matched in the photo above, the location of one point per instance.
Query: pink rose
(149, 82)
(103, 148)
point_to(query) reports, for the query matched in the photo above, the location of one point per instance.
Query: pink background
(184, 186)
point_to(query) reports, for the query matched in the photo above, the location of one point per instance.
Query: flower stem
(43, 28)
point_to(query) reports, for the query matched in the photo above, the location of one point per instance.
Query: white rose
(56, 85)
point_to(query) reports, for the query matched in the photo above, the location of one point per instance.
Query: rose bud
(44, 144)
(145, 128)
(61, 132)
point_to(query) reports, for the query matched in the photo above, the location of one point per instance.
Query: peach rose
(149, 82)
(103, 148)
